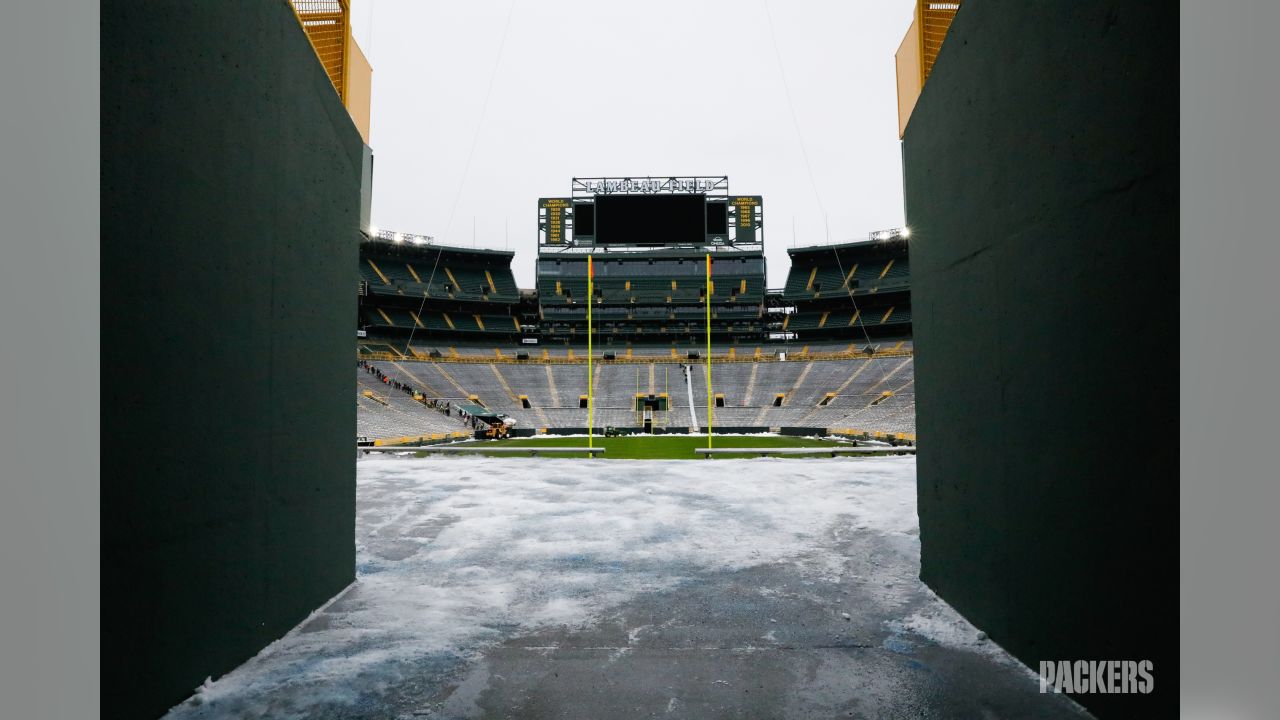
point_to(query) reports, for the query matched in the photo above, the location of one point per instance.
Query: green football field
(664, 447)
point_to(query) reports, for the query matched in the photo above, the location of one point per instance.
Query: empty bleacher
(659, 294)
(874, 394)
(462, 322)
(835, 270)
(440, 272)
(460, 343)
(383, 411)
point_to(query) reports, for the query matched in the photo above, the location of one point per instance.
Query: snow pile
(938, 623)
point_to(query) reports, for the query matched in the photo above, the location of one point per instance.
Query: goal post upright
(660, 222)
(591, 300)
(709, 395)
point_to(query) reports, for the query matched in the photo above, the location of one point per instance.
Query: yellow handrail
(622, 360)
(328, 27)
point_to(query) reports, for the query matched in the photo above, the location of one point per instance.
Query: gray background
(1230, 491)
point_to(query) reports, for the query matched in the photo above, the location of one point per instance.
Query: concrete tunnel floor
(559, 588)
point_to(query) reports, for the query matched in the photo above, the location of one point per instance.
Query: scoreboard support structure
(624, 240)
(618, 213)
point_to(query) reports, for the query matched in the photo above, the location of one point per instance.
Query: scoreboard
(647, 219)
(648, 213)
(747, 209)
(553, 214)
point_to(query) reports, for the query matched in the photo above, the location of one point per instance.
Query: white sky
(615, 89)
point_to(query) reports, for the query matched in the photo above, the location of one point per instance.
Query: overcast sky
(658, 87)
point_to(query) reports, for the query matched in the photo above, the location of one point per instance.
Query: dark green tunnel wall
(1041, 186)
(230, 208)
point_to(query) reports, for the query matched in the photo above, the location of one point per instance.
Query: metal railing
(935, 21)
(919, 51)
(792, 356)
(532, 450)
(832, 451)
(874, 434)
(327, 24)
(416, 440)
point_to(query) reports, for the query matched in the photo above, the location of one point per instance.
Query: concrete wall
(230, 197)
(1042, 194)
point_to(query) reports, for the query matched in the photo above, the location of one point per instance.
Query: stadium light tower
(899, 233)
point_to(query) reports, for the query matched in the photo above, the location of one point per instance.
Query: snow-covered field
(456, 554)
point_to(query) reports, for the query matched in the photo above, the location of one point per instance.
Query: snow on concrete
(457, 553)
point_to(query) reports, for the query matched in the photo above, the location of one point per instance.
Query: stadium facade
(443, 326)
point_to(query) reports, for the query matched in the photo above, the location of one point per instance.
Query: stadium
(629, 466)
(445, 330)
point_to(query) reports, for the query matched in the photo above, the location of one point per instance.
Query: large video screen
(651, 219)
